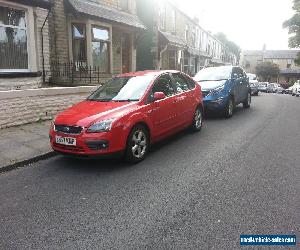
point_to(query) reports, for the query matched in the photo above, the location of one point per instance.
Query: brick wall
(22, 107)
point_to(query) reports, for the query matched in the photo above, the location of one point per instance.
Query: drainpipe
(42, 41)
(160, 54)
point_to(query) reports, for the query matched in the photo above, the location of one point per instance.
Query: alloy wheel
(139, 144)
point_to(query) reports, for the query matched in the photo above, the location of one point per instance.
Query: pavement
(24, 144)
(194, 191)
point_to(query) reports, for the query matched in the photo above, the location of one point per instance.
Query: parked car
(223, 88)
(280, 90)
(253, 84)
(262, 86)
(272, 88)
(127, 114)
(289, 90)
(295, 88)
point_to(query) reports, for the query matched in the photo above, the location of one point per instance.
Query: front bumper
(90, 144)
(215, 104)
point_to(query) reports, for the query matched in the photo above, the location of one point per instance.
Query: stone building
(289, 72)
(91, 40)
(24, 43)
(173, 40)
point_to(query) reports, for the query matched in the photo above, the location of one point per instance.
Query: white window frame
(89, 24)
(31, 42)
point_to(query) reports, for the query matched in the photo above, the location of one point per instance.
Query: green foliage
(267, 70)
(229, 44)
(293, 25)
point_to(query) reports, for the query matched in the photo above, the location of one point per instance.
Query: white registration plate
(68, 141)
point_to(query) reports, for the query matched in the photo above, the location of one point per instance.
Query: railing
(78, 72)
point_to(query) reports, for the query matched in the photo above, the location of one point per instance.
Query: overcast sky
(249, 23)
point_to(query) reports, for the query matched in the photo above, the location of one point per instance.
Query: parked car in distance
(280, 90)
(127, 114)
(272, 88)
(223, 88)
(262, 86)
(253, 84)
(289, 90)
(295, 88)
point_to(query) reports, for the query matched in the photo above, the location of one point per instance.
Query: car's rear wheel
(228, 111)
(137, 144)
(197, 120)
(247, 102)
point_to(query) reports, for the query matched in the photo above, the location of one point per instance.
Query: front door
(126, 52)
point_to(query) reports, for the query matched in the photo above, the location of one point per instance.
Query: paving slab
(23, 143)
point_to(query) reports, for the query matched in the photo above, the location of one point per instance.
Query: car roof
(146, 72)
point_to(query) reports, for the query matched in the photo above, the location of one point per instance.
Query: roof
(104, 12)
(173, 39)
(273, 54)
(37, 3)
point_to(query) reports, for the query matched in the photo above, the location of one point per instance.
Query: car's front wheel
(137, 144)
(247, 102)
(228, 111)
(198, 120)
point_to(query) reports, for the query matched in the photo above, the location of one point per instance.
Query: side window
(163, 84)
(181, 84)
(238, 72)
(190, 82)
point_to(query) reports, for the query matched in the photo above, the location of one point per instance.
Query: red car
(127, 114)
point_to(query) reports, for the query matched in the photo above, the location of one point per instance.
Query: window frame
(108, 42)
(31, 43)
(151, 93)
(73, 38)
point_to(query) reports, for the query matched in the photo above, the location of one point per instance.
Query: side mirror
(159, 96)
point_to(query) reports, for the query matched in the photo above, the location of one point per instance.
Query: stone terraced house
(91, 40)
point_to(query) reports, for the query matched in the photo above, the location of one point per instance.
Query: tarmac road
(194, 191)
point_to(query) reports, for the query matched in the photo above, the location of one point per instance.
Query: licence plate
(68, 141)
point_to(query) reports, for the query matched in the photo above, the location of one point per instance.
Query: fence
(78, 73)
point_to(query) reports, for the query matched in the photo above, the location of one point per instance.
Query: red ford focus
(127, 114)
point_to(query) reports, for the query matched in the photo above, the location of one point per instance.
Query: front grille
(70, 148)
(75, 130)
(205, 93)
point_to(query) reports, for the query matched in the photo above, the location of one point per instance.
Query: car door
(238, 81)
(163, 112)
(182, 98)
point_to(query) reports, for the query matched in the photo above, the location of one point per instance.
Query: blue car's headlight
(101, 126)
(217, 90)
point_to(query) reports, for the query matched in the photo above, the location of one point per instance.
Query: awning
(104, 12)
(36, 3)
(174, 40)
(290, 71)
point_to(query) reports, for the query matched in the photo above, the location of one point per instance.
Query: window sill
(19, 74)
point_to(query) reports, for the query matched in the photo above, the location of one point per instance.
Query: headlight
(217, 90)
(101, 126)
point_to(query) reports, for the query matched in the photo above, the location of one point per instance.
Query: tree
(293, 25)
(229, 44)
(267, 70)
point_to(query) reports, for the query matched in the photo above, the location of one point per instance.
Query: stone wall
(20, 107)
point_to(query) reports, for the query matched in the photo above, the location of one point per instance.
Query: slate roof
(174, 40)
(104, 12)
(273, 54)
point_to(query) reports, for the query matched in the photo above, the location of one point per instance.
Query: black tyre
(138, 144)
(247, 102)
(198, 120)
(228, 110)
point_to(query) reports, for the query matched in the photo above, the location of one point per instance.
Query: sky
(249, 23)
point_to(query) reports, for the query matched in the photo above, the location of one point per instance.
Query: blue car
(223, 88)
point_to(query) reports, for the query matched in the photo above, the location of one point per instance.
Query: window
(172, 59)
(173, 21)
(124, 4)
(162, 15)
(13, 39)
(163, 84)
(101, 48)
(79, 43)
(181, 84)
